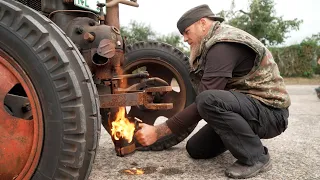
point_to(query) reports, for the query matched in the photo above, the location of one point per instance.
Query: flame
(139, 171)
(134, 171)
(122, 127)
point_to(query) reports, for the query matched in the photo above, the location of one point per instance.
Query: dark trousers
(235, 122)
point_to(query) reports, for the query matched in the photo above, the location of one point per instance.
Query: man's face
(193, 35)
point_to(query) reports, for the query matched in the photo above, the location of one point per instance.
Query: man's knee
(210, 100)
(199, 153)
(201, 98)
(193, 151)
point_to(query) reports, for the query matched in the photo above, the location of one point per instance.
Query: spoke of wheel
(131, 71)
(161, 72)
(7, 81)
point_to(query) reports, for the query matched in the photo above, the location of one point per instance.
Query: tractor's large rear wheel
(171, 65)
(49, 115)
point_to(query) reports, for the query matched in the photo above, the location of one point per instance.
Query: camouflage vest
(263, 82)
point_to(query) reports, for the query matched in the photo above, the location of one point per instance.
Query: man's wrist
(162, 130)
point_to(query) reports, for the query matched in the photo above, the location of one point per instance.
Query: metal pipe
(131, 76)
(112, 15)
(116, 2)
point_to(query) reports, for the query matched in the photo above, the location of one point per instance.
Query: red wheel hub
(20, 139)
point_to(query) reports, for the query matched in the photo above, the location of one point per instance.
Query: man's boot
(241, 171)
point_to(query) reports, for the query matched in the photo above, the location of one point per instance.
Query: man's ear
(203, 21)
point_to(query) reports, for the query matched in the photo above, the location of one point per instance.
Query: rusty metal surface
(148, 82)
(16, 134)
(158, 106)
(107, 48)
(117, 61)
(20, 139)
(112, 15)
(112, 66)
(166, 73)
(125, 99)
(162, 90)
(139, 75)
(136, 98)
(156, 81)
(15, 144)
(101, 13)
(159, 89)
(122, 147)
(126, 2)
(122, 151)
(101, 46)
(102, 72)
(88, 37)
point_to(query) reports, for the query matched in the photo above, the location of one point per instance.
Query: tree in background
(261, 21)
(176, 41)
(315, 38)
(136, 32)
(314, 43)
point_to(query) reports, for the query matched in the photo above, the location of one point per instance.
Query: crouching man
(241, 95)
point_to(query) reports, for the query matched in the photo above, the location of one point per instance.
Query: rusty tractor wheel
(49, 115)
(168, 63)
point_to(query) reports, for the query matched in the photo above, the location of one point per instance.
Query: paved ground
(295, 153)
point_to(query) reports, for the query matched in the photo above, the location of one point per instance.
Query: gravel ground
(295, 153)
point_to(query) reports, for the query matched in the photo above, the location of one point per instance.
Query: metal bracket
(136, 98)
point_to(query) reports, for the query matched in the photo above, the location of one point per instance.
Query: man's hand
(147, 134)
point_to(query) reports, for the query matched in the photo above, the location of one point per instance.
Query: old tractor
(65, 70)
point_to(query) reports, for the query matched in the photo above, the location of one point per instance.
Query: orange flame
(133, 171)
(122, 127)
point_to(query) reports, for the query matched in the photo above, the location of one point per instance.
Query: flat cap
(195, 14)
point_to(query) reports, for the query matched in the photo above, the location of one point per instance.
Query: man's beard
(195, 51)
